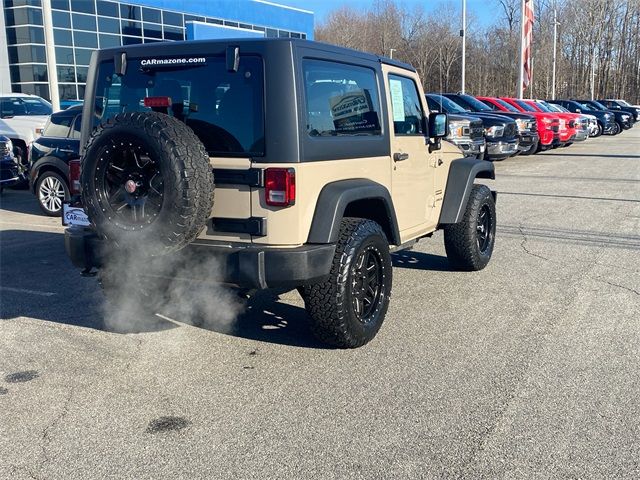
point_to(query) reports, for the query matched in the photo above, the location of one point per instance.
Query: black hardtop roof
(168, 48)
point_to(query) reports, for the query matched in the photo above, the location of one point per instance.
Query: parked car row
(512, 126)
(37, 146)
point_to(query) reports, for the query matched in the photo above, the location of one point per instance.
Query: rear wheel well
(372, 209)
(48, 168)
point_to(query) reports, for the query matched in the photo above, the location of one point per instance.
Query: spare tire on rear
(147, 182)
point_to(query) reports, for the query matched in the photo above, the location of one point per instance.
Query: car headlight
(522, 124)
(459, 129)
(39, 131)
(9, 146)
(495, 131)
(625, 117)
(546, 120)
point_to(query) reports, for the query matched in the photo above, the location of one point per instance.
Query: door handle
(399, 157)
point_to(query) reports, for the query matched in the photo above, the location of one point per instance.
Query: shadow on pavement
(38, 281)
(20, 201)
(421, 261)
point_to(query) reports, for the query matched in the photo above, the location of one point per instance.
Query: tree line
(600, 37)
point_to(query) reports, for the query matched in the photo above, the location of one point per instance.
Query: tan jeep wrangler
(323, 161)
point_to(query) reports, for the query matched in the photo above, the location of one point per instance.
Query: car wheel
(348, 308)
(600, 130)
(469, 243)
(51, 191)
(619, 128)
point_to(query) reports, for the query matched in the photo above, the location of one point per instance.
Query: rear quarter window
(340, 99)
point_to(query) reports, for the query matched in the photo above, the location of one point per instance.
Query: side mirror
(438, 129)
(438, 125)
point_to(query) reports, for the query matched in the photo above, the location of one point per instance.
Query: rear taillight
(280, 186)
(74, 177)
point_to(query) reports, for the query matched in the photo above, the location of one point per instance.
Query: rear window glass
(58, 126)
(340, 99)
(225, 109)
(21, 106)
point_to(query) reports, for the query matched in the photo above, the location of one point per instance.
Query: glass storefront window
(29, 73)
(130, 12)
(107, 9)
(25, 35)
(170, 18)
(151, 15)
(67, 91)
(64, 55)
(172, 33)
(61, 19)
(85, 39)
(22, 3)
(84, 22)
(108, 25)
(81, 74)
(62, 37)
(107, 41)
(153, 31)
(131, 40)
(66, 74)
(84, 6)
(83, 56)
(39, 89)
(23, 16)
(60, 4)
(27, 54)
(131, 28)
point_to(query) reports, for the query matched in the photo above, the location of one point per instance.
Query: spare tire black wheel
(147, 182)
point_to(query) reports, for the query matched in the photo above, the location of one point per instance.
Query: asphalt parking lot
(527, 369)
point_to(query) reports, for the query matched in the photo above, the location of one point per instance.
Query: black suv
(618, 105)
(623, 120)
(49, 159)
(606, 120)
(501, 133)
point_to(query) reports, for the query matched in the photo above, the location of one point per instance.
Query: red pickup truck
(548, 124)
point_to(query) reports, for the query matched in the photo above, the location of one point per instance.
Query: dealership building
(46, 45)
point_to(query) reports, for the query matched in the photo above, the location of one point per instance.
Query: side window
(58, 126)
(75, 129)
(341, 99)
(406, 107)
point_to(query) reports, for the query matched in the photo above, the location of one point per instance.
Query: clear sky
(485, 11)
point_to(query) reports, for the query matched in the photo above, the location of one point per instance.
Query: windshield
(24, 106)
(474, 104)
(624, 103)
(542, 106)
(525, 106)
(440, 103)
(553, 107)
(224, 109)
(506, 105)
(586, 106)
(598, 105)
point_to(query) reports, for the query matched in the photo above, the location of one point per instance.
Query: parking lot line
(26, 290)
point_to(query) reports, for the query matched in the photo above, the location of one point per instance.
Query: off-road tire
(334, 320)
(461, 240)
(40, 184)
(183, 163)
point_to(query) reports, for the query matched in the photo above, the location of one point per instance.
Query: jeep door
(413, 172)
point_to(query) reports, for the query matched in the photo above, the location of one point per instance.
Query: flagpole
(521, 69)
(463, 34)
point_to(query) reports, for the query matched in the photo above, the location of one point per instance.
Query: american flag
(527, 34)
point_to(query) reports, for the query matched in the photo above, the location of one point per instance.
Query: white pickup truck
(22, 120)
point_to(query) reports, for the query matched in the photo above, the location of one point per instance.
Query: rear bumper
(241, 266)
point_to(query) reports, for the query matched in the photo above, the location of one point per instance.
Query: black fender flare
(46, 162)
(333, 201)
(462, 174)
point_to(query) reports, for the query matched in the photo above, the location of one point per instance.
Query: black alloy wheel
(367, 284)
(484, 229)
(129, 184)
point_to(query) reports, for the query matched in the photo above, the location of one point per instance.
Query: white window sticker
(397, 100)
